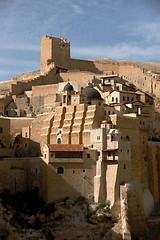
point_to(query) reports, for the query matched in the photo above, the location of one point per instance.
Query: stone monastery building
(83, 128)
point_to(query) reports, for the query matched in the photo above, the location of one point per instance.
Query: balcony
(110, 155)
(66, 160)
(110, 158)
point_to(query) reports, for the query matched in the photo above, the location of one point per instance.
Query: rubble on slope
(25, 217)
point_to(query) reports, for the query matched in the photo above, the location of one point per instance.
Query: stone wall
(126, 234)
(44, 90)
(15, 173)
(76, 181)
(84, 65)
(16, 124)
(153, 158)
(140, 78)
(136, 215)
(107, 66)
(26, 76)
(40, 130)
(5, 131)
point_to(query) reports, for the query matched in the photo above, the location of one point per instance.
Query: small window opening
(64, 99)
(60, 170)
(59, 141)
(98, 137)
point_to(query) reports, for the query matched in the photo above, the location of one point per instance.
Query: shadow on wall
(25, 147)
(84, 65)
(63, 181)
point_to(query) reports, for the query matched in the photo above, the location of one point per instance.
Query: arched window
(69, 99)
(60, 170)
(59, 140)
(127, 138)
(64, 99)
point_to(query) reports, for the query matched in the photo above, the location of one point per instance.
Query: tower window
(60, 170)
(112, 138)
(69, 99)
(64, 99)
(59, 141)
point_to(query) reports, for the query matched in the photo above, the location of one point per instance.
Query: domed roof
(91, 93)
(68, 87)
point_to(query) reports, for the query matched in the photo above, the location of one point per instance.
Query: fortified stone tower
(54, 50)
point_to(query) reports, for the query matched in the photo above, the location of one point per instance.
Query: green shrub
(102, 205)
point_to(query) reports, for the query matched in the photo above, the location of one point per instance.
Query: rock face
(67, 220)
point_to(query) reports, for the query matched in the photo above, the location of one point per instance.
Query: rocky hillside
(25, 216)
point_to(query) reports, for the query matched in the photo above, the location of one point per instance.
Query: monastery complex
(84, 128)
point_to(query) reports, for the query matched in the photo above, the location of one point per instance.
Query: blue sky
(117, 29)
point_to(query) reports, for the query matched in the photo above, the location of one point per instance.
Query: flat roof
(110, 150)
(65, 147)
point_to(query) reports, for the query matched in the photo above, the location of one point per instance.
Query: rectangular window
(128, 99)
(1, 130)
(123, 98)
(98, 137)
(64, 99)
(112, 99)
(88, 155)
(109, 154)
(116, 99)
